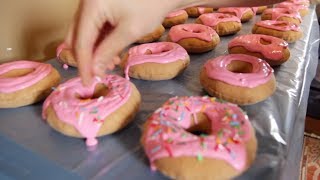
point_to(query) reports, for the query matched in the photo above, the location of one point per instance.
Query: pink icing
(238, 11)
(198, 31)
(8, 85)
(217, 69)
(166, 134)
(277, 13)
(251, 42)
(161, 52)
(292, 5)
(87, 115)
(271, 24)
(176, 13)
(213, 19)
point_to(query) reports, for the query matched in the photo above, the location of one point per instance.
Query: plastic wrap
(31, 149)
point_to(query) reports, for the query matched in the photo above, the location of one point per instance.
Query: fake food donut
(274, 50)
(238, 78)
(175, 18)
(153, 36)
(223, 24)
(244, 14)
(199, 138)
(282, 14)
(195, 38)
(25, 82)
(282, 29)
(104, 107)
(155, 61)
(64, 54)
(197, 11)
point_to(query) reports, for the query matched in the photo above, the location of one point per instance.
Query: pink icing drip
(87, 115)
(8, 85)
(213, 19)
(198, 31)
(271, 24)
(162, 52)
(166, 134)
(261, 71)
(252, 43)
(277, 13)
(176, 13)
(238, 11)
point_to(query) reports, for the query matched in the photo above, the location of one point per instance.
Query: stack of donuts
(194, 137)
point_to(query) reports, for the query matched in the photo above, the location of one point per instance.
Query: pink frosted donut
(25, 82)
(274, 50)
(195, 38)
(155, 61)
(227, 141)
(197, 11)
(223, 24)
(238, 78)
(65, 55)
(104, 107)
(301, 7)
(244, 14)
(175, 18)
(282, 14)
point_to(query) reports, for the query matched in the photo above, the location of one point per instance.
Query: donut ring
(197, 11)
(175, 18)
(223, 24)
(301, 7)
(153, 36)
(155, 61)
(65, 55)
(244, 14)
(227, 143)
(274, 50)
(282, 29)
(232, 78)
(104, 107)
(282, 14)
(25, 82)
(195, 38)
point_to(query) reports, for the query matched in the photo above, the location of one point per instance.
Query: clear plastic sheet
(31, 149)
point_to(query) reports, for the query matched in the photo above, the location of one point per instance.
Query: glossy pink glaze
(166, 134)
(86, 114)
(161, 52)
(277, 13)
(8, 85)
(251, 42)
(238, 11)
(176, 13)
(213, 19)
(199, 31)
(278, 25)
(217, 69)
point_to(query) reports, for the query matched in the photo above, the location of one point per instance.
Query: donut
(301, 7)
(271, 49)
(282, 29)
(282, 14)
(65, 55)
(223, 24)
(155, 61)
(25, 82)
(175, 18)
(197, 11)
(301, 2)
(103, 107)
(244, 14)
(153, 36)
(199, 138)
(238, 78)
(259, 9)
(195, 38)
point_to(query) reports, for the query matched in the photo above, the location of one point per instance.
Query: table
(30, 149)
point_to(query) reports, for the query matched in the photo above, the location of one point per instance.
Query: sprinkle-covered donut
(175, 18)
(155, 61)
(238, 78)
(282, 29)
(245, 14)
(199, 138)
(25, 82)
(301, 6)
(223, 24)
(272, 49)
(153, 36)
(197, 11)
(64, 54)
(195, 38)
(282, 14)
(104, 107)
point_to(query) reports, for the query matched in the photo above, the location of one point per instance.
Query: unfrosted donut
(175, 18)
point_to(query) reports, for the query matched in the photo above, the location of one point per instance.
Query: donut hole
(200, 127)
(99, 90)
(237, 66)
(17, 73)
(165, 49)
(264, 41)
